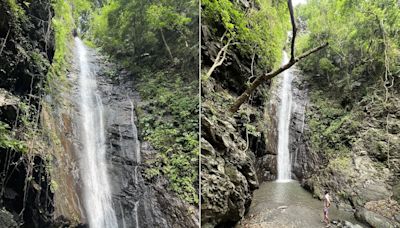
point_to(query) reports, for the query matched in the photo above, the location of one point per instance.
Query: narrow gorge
(336, 138)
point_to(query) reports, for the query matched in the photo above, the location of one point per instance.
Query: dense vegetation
(257, 29)
(355, 81)
(158, 43)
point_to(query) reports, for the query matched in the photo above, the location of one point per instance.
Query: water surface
(287, 204)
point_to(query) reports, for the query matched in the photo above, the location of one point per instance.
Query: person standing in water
(327, 204)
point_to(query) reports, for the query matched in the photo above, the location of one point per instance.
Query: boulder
(374, 219)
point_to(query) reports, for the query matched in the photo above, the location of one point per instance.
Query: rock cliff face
(26, 50)
(228, 172)
(231, 145)
(135, 201)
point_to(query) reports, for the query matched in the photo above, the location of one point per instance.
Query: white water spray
(97, 193)
(135, 134)
(284, 161)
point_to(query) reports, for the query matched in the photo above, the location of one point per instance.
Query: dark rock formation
(26, 192)
(228, 173)
(233, 147)
(8, 107)
(303, 159)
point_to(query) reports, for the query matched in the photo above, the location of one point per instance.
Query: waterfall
(96, 188)
(135, 134)
(138, 158)
(284, 161)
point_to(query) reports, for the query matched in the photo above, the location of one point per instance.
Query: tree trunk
(166, 44)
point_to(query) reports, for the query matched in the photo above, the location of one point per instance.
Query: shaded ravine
(136, 202)
(284, 203)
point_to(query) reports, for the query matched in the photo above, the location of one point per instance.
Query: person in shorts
(327, 204)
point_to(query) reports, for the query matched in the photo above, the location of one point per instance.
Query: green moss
(333, 129)
(53, 186)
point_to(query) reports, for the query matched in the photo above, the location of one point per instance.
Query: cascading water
(138, 159)
(96, 190)
(284, 161)
(135, 134)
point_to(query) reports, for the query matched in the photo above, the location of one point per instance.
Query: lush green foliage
(161, 16)
(23, 62)
(333, 130)
(260, 30)
(364, 44)
(68, 15)
(354, 82)
(170, 124)
(63, 23)
(134, 29)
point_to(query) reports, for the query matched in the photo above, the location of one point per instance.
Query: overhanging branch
(266, 76)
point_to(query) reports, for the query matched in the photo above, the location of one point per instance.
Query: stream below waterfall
(276, 205)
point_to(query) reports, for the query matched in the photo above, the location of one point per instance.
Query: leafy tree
(355, 81)
(364, 44)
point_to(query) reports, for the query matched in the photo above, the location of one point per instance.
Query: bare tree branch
(4, 42)
(294, 29)
(246, 94)
(218, 60)
(266, 76)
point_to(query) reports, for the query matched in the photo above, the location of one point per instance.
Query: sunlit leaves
(160, 16)
(358, 32)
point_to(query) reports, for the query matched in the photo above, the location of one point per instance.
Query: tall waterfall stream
(112, 190)
(284, 203)
(96, 190)
(284, 159)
